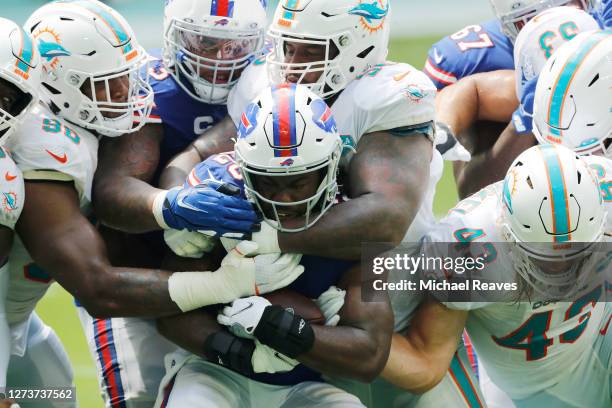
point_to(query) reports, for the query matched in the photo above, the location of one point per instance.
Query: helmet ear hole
(595, 78)
(365, 52)
(579, 177)
(529, 182)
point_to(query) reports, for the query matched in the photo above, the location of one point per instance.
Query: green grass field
(57, 308)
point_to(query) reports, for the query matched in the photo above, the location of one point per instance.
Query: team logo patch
(322, 116)
(9, 202)
(287, 163)
(414, 92)
(50, 45)
(222, 22)
(372, 14)
(248, 122)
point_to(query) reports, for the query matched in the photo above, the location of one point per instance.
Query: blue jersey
(474, 49)
(183, 117)
(603, 14)
(319, 273)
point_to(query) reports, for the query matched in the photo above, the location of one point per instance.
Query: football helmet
(353, 34)
(209, 42)
(553, 212)
(514, 14)
(543, 35)
(287, 131)
(91, 66)
(572, 99)
(20, 68)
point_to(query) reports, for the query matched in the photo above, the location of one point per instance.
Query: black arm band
(285, 332)
(230, 351)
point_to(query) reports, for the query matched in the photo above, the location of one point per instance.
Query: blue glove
(213, 208)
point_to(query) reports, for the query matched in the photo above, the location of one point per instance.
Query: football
(300, 304)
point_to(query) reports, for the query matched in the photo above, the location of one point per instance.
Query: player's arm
(386, 180)
(122, 194)
(488, 96)
(215, 140)
(65, 244)
(491, 165)
(420, 357)
(363, 334)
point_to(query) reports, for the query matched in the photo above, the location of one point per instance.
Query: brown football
(300, 304)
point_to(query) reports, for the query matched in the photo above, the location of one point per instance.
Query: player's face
(114, 90)
(12, 100)
(300, 53)
(216, 50)
(287, 189)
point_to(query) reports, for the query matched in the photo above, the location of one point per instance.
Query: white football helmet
(353, 33)
(87, 46)
(20, 67)
(573, 99)
(514, 14)
(542, 36)
(553, 211)
(286, 131)
(209, 43)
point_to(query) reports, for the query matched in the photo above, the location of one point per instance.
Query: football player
(19, 81)
(92, 84)
(490, 46)
(295, 188)
(207, 45)
(493, 96)
(550, 210)
(339, 51)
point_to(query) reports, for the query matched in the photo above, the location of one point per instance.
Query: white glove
(271, 271)
(189, 244)
(266, 239)
(243, 315)
(448, 145)
(268, 360)
(330, 302)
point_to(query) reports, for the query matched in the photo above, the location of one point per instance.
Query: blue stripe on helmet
(565, 78)
(559, 204)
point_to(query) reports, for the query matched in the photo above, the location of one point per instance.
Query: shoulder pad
(47, 148)
(387, 96)
(474, 48)
(11, 190)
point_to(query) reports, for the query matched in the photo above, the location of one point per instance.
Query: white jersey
(525, 347)
(387, 96)
(46, 148)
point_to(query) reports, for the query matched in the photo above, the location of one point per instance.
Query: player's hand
(10, 404)
(268, 360)
(189, 244)
(447, 144)
(243, 315)
(270, 271)
(330, 302)
(213, 208)
(266, 239)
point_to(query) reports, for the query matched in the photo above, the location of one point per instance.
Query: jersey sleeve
(12, 189)
(253, 80)
(603, 14)
(220, 167)
(45, 148)
(389, 96)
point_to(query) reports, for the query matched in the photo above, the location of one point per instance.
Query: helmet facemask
(514, 21)
(329, 78)
(99, 107)
(278, 213)
(20, 101)
(211, 60)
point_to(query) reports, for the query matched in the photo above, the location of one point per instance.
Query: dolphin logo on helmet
(370, 11)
